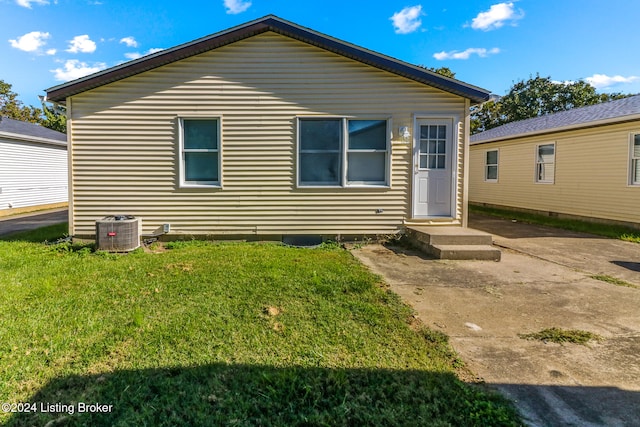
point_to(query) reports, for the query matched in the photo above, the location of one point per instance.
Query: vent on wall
(118, 233)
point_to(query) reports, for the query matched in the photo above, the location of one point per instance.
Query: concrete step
(462, 252)
(435, 235)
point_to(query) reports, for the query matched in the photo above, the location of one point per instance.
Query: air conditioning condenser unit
(118, 233)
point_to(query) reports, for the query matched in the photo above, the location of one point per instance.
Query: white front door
(433, 162)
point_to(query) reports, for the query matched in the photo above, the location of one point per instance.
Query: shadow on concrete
(13, 225)
(512, 229)
(551, 405)
(221, 394)
(633, 266)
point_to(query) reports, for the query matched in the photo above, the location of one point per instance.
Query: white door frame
(455, 126)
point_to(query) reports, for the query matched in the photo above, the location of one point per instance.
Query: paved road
(544, 282)
(14, 224)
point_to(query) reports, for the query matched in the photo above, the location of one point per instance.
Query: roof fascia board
(27, 138)
(270, 23)
(596, 123)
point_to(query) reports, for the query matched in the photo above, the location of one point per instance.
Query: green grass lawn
(204, 333)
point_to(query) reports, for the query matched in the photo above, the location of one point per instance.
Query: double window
(545, 163)
(199, 151)
(491, 166)
(343, 152)
(635, 159)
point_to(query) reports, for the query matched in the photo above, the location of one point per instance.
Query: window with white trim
(491, 166)
(199, 152)
(635, 159)
(343, 152)
(545, 163)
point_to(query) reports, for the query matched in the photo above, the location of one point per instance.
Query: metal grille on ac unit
(118, 233)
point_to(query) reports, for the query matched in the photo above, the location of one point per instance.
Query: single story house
(268, 129)
(582, 163)
(33, 167)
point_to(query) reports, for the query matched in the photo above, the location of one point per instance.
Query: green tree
(533, 98)
(443, 71)
(55, 116)
(51, 116)
(12, 107)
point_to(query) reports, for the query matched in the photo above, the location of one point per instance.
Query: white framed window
(341, 152)
(635, 159)
(491, 166)
(545, 163)
(199, 151)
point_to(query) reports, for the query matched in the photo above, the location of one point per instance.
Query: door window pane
(433, 147)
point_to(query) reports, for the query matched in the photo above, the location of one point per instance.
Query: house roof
(30, 131)
(593, 115)
(268, 23)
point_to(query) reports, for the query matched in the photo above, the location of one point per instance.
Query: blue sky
(491, 44)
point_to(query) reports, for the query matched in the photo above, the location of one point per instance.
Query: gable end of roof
(269, 23)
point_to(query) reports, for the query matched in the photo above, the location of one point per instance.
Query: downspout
(465, 164)
(69, 104)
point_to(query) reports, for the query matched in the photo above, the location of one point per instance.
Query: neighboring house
(583, 162)
(264, 129)
(33, 167)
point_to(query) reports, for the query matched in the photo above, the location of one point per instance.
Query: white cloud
(407, 20)
(496, 17)
(129, 41)
(602, 81)
(466, 54)
(236, 6)
(74, 69)
(51, 52)
(82, 44)
(30, 42)
(136, 55)
(27, 3)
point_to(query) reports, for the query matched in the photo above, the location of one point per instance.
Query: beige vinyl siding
(32, 174)
(591, 174)
(125, 156)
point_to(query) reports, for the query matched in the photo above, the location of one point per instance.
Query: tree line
(534, 97)
(50, 116)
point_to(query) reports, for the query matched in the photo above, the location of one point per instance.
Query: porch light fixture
(404, 133)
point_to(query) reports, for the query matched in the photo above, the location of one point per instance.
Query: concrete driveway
(30, 221)
(543, 282)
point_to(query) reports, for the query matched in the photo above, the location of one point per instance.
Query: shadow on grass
(221, 394)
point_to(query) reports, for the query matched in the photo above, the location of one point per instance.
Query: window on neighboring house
(545, 163)
(635, 160)
(342, 152)
(200, 151)
(491, 166)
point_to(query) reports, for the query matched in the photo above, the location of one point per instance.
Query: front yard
(203, 333)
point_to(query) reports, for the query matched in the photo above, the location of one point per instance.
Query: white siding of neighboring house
(32, 174)
(591, 174)
(125, 143)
